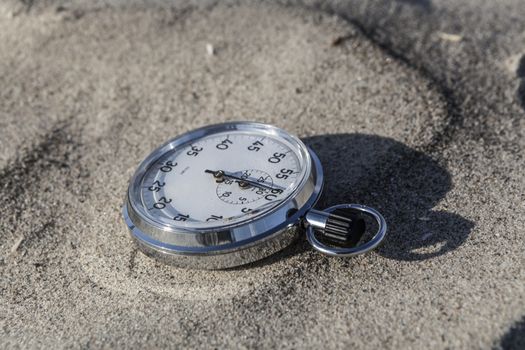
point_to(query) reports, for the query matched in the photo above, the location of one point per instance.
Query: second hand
(220, 174)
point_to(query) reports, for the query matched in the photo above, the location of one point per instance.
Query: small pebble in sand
(210, 50)
(339, 40)
(449, 37)
(15, 246)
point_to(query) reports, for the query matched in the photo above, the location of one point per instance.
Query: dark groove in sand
(454, 119)
(40, 233)
(520, 72)
(56, 151)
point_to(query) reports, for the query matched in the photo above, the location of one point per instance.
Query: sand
(416, 110)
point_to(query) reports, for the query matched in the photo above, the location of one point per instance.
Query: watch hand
(220, 173)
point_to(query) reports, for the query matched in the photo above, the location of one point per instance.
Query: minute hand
(238, 178)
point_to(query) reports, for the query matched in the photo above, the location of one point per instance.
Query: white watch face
(222, 179)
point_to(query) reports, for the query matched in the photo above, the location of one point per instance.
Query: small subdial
(237, 191)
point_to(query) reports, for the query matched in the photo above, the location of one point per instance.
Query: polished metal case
(224, 246)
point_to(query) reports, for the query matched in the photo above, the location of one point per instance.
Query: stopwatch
(229, 194)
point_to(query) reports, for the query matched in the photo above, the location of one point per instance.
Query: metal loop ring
(342, 252)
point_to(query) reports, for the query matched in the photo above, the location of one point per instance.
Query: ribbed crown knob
(342, 226)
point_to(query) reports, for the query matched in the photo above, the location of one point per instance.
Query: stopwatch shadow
(402, 183)
(514, 338)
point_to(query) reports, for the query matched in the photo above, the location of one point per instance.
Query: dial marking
(200, 196)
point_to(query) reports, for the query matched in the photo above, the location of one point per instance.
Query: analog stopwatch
(229, 194)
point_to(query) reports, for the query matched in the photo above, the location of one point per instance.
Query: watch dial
(222, 179)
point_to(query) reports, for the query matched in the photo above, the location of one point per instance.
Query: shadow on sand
(514, 339)
(402, 183)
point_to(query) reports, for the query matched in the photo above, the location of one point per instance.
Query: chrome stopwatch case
(229, 194)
